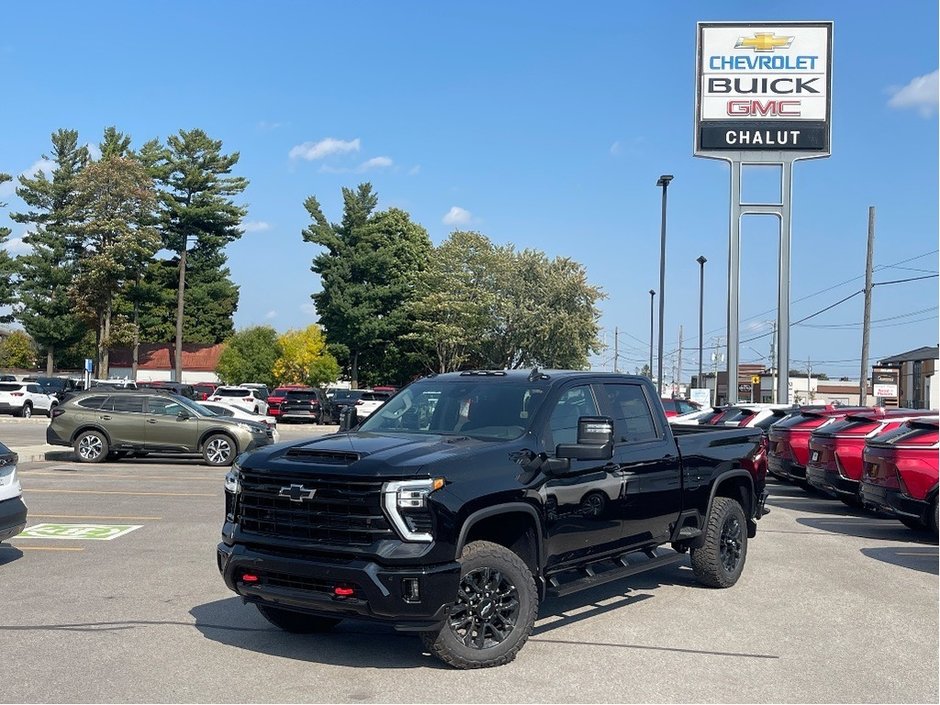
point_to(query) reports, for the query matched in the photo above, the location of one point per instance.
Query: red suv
(901, 471)
(788, 439)
(835, 450)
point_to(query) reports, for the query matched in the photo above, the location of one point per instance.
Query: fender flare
(737, 472)
(507, 508)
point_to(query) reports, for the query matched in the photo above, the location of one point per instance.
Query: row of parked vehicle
(880, 459)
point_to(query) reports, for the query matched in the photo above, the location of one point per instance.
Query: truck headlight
(232, 483)
(406, 503)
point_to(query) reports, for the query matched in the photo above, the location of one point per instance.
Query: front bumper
(785, 469)
(307, 585)
(831, 482)
(894, 502)
(12, 517)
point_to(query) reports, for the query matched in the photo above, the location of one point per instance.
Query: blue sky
(542, 124)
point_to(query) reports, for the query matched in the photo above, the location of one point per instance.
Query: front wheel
(494, 612)
(296, 622)
(218, 450)
(720, 560)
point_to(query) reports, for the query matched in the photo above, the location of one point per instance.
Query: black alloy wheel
(486, 610)
(731, 541)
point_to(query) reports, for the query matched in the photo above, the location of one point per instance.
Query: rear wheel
(913, 523)
(494, 611)
(218, 450)
(91, 447)
(27, 410)
(932, 517)
(720, 560)
(296, 622)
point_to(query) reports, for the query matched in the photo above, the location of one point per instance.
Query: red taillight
(340, 591)
(16, 394)
(249, 578)
(56, 412)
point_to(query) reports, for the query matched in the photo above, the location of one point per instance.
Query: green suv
(110, 424)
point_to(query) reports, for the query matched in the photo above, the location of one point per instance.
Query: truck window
(633, 420)
(563, 423)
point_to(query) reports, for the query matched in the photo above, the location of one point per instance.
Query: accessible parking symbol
(88, 532)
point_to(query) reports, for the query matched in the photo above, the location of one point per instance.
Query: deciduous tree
(304, 358)
(18, 350)
(249, 356)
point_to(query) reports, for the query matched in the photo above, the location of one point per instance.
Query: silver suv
(110, 424)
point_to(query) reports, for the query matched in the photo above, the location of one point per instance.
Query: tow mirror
(595, 440)
(348, 418)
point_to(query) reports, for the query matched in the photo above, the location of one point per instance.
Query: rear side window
(125, 403)
(223, 392)
(633, 419)
(92, 402)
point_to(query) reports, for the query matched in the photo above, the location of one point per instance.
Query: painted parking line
(46, 548)
(79, 532)
(131, 494)
(91, 516)
(61, 473)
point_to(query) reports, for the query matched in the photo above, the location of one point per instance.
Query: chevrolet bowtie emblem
(763, 41)
(296, 493)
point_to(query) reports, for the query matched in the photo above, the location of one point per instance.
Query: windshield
(497, 409)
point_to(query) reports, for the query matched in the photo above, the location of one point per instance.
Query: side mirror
(348, 418)
(595, 440)
(183, 415)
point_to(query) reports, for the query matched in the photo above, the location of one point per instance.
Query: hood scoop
(322, 457)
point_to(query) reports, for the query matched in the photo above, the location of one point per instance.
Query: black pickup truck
(469, 497)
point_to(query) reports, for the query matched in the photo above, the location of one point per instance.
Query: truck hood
(378, 455)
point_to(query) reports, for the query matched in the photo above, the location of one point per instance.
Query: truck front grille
(340, 512)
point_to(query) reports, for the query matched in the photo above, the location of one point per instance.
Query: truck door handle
(611, 467)
(151, 420)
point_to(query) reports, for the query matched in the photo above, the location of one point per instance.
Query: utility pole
(809, 380)
(679, 365)
(616, 348)
(773, 365)
(866, 320)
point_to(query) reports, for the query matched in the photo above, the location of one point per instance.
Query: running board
(593, 579)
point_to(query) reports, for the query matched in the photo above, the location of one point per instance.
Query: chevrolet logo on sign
(296, 493)
(764, 41)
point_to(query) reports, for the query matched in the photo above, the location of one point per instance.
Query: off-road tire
(91, 447)
(933, 518)
(726, 527)
(296, 622)
(486, 556)
(26, 411)
(214, 450)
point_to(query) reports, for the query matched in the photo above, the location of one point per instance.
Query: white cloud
(270, 314)
(616, 148)
(323, 148)
(457, 216)
(376, 163)
(8, 188)
(93, 151)
(920, 94)
(255, 226)
(267, 126)
(415, 170)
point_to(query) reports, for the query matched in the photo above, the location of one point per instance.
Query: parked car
(227, 411)
(901, 472)
(276, 398)
(12, 509)
(8, 378)
(675, 407)
(110, 424)
(57, 387)
(455, 522)
(369, 401)
(751, 415)
(113, 383)
(25, 398)
(343, 399)
(243, 397)
(183, 390)
(789, 439)
(698, 417)
(835, 451)
(262, 389)
(203, 390)
(306, 404)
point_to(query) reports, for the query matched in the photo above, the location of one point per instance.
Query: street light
(664, 183)
(652, 294)
(701, 297)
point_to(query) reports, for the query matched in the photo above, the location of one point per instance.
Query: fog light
(340, 591)
(409, 590)
(249, 578)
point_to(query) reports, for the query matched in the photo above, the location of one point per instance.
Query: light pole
(664, 183)
(701, 297)
(652, 294)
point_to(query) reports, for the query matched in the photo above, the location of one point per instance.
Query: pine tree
(46, 271)
(7, 268)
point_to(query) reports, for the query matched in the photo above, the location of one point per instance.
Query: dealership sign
(764, 87)
(885, 382)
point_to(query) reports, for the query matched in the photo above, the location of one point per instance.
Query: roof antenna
(535, 374)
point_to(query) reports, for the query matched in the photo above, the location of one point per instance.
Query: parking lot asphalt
(833, 606)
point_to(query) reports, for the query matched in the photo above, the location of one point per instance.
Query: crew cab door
(646, 460)
(581, 503)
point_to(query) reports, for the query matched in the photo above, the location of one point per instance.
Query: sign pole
(734, 282)
(783, 286)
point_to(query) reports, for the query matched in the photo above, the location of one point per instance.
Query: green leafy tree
(304, 358)
(7, 268)
(199, 218)
(114, 204)
(47, 270)
(368, 272)
(18, 350)
(249, 356)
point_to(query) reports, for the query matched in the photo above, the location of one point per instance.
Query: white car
(242, 397)
(25, 398)
(12, 509)
(234, 412)
(369, 402)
